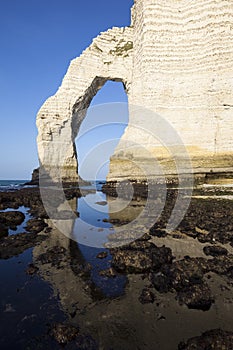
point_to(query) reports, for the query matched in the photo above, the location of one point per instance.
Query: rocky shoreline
(191, 267)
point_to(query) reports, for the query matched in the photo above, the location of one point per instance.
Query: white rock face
(176, 61)
(108, 58)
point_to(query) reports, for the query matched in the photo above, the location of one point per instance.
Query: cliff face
(108, 58)
(176, 64)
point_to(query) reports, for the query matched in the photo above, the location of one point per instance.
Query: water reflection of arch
(67, 285)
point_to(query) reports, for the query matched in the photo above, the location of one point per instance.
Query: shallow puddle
(20, 228)
(28, 304)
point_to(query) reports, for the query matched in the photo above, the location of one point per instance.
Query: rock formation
(175, 60)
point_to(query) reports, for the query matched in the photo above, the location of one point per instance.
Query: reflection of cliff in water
(123, 322)
(72, 268)
(122, 212)
(53, 259)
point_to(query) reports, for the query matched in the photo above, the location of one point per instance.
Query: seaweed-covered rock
(131, 261)
(212, 218)
(140, 257)
(63, 333)
(17, 244)
(186, 272)
(222, 265)
(157, 232)
(102, 255)
(3, 231)
(196, 296)
(206, 220)
(31, 198)
(215, 250)
(216, 339)
(55, 256)
(110, 273)
(35, 225)
(147, 296)
(11, 219)
(186, 278)
(160, 257)
(180, 274)
(85, 342)
(31, 269)
(161, 282)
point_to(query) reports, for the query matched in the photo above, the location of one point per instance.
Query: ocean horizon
(6, 185)
(11, 184)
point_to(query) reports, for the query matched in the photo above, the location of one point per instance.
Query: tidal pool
(63, 281)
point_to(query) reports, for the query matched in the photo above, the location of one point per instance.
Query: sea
(6, 185)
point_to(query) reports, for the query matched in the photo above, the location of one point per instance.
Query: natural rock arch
(176, 60)
(60, 117)
(111, 113)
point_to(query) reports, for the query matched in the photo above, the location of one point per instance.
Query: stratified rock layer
(175, 60)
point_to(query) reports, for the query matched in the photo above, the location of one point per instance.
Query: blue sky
(38, 39)
(100, 132)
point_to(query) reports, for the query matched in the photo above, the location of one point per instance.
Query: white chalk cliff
(175, 60)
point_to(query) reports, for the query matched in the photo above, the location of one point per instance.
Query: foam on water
(12, 185)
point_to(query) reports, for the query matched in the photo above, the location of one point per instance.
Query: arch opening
(98, 126)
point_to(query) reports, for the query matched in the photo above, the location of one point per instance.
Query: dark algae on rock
(185, 277)
(63, 333)
(11, 219)
(215, 339)
(16, 244)
(140, 256)
(215, 250)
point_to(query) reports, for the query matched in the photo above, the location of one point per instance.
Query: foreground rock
(11, 219)
(32, 269)
(196, 296)
(31, 198)
(215, 250)
(28, 197)
(102, 255)
(54, 256)
(185, 277)
(69, 337)
(35, 225)
(109, 273)
(63, 334)
(207, 220)
(147, 296)
(216, 339)
(17, 244)
(3, 231)
(140, 257)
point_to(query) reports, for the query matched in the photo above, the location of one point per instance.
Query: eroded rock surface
(11, 219)
(216, 339)
(16, 244)
(181, 73)
(140, 256)
(215, 250)
(64, 333)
